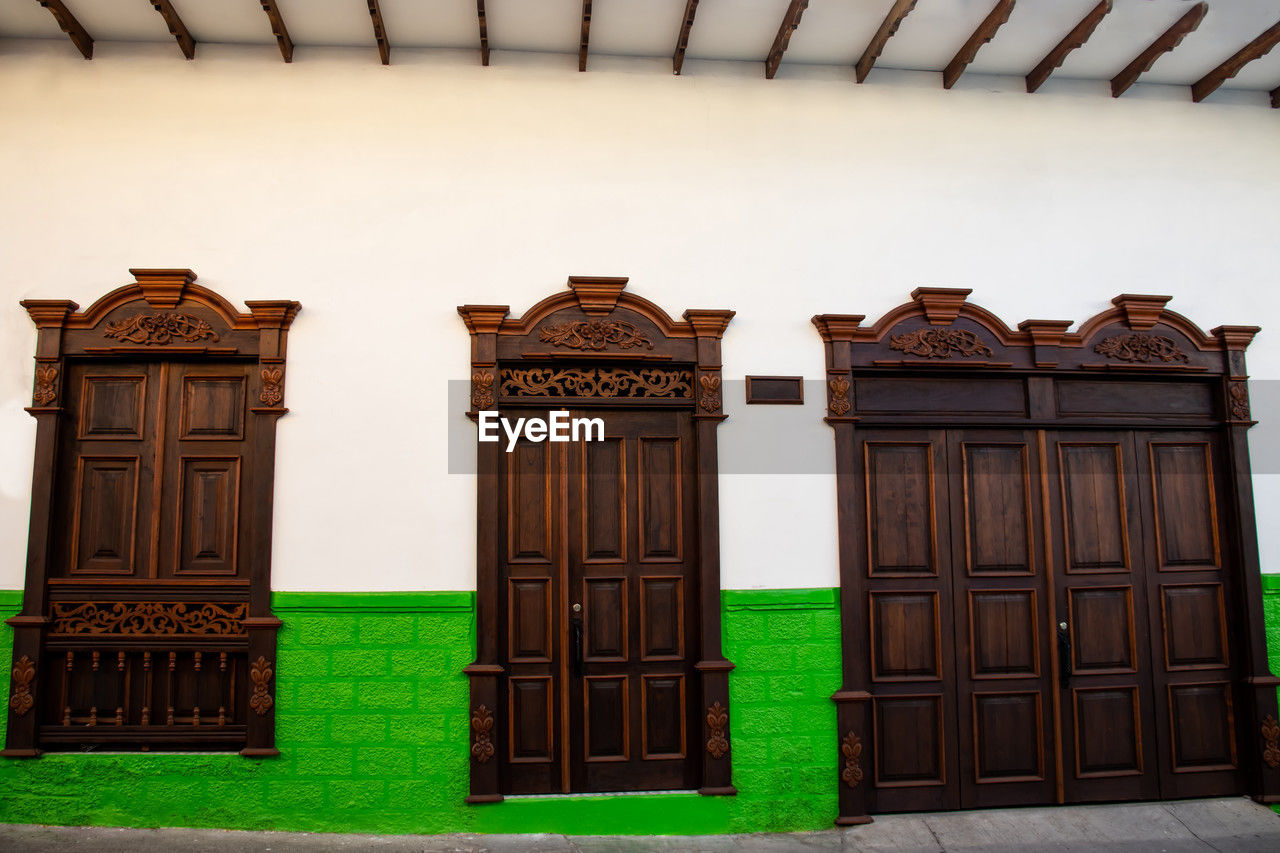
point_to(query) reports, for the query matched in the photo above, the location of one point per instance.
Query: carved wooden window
(146, 621)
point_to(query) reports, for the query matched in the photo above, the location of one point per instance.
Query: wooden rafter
(278, 29)
(380, 32)
(888, 27)
(586, 34)
(1259, 47)
(682, 40)
(176, 27)
(790, 21)
(1172, 37)
(79, 35)
(985, 32)
(1075, 39)
(484, 33)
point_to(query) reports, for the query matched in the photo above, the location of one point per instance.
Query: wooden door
(600, 596)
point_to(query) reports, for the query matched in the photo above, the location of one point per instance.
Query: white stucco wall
(382, 197)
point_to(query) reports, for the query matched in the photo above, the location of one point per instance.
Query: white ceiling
(831, 32)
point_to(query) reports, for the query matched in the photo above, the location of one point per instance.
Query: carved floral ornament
(839, 404)
(482, 390)
(482, 725)
(718, 723)
(1141, 347)
(160, 329)
(939, 343)
(148, 618)
(1271, 741)
(594, 335)
(24, 672)
(595, 382)
(272, 379)
(260, 674)
(1238, 394)
(709, 401)
(851, 748)
(45, 392)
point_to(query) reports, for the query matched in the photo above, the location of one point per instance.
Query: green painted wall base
(373, 731)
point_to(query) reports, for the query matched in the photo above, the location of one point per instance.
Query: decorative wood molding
(985, 32)
(482, 724)
(260, 673)
(484, 33)
(775, 390)
(1141, 347)
(709, 398)
(148, 618)
(940, 343)
(1172, 37)
(607, 383)
(585, 35)
(941, 305)
(682, 39)
(160, 329)
(46, 391)
(1073, 40)
(272, 392)
(68, 24)
(790, 21)
(1238, 399)
(278, 29)
(851, 748)
(380, 32)
(888, 28)
(839, 404)
(594, 334)
(176, 28)
(482, 391)
(1271, 741)
(1256, 49)
(597, 295)
(718, 723)
(24, 673)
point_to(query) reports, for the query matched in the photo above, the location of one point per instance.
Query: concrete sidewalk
(1222, 825)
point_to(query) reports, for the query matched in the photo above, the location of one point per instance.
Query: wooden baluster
(222, 685)
(173, 664)
(146, 688)
(93, 688)
(122, 687)
(195, 709)
(66, 689)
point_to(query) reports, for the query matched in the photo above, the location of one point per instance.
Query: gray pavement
(1224, 825)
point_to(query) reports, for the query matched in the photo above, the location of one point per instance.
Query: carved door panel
(1188, 592)
(909, 618)
(1000, 591)
(1104, 661)
(599, 593)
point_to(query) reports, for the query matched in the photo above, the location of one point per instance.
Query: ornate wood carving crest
(851, 747)
(482, 725)
(45, 392)
(839, 403)
(1271, 741)
(718, 722)
(482, 390)
(260, 673)
(160, 329)
(272, 379)
(594, 335)
(596, 382)
(939, 343)
(709, 400)
(1141, 347)
(1238, 395)
(24, 672)
(148, 618)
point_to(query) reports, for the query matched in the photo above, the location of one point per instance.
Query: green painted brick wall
(372, 726)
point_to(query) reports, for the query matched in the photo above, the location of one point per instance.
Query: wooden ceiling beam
(1259, 47)
(1075, 39)
(176, 28)
(484, 33)
(682, 40)
(985, 32)
(790, 21)
(79, 35)
(888, 28)
(585, 36)
(380, 32)
(1172, 37)
(278, 29)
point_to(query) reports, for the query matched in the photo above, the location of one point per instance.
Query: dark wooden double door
(599, 600)
(1046, 617)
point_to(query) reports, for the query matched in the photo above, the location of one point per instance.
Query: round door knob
(1062, 626)
(577, 608)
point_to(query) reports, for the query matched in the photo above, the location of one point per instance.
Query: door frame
(939, 335)
(663, 362)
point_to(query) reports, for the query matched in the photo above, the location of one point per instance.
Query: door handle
(575, 626)
(1064, 656)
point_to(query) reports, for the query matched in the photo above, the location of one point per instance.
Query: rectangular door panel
(604, 504)
(608, 716)
(208, 515)
(1093, 508)
(530, 477)
(909, 741)
(661, 517)
(1195, 628)
(531, 718)
(1108, 726)
(1203, 727)
(1102, 632)
(904, 636)
(1004, 634)
(529, 619)
(112, 407)
(663, 716)
(1008, 738)
(213, 408)
(997, 509)
(605, 619)
(662, 609)
(1185, 516)
(105, 522)
(900, 508)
